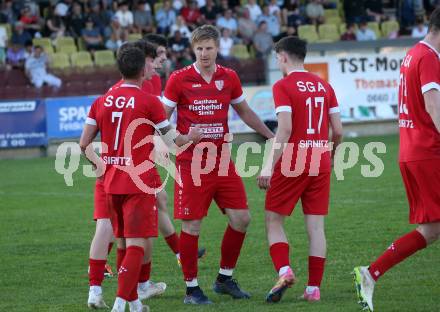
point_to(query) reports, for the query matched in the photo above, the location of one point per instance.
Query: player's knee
(191, 227)
(104, 228)
(431, 232)
(162, 201)
(240, 221)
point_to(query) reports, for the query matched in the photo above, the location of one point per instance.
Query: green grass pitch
(46, 229)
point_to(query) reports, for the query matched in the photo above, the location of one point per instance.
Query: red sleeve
(91, 118)
(281, 98)
(171, 94)
(333, 106)
(156, 112)
(237, 95)
(429, 71)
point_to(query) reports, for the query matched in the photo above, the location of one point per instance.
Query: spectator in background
(35, 68)
(101, 17)
(165, 17)
(291, 15)
(420, 29)
(125, 16)
(209, 13)
(191, 14)
(55, 26)
(62, 8)
(121, 34)
(273, 24)
(7, 15)
(254, 9)
(3, 42)
(375, 10)
(408, 11)
(329, 4)
(315, 12)
(275, 9)
(15, 56)
(28, 49)
(31, 22)
(226, 44)
(92, 36)
(178, 5)
(354, 11)
(142, 18)
(364, 33)
(201, 3)
(76, 20)
(20, 36)
(263, 41)
(228, 21)
(350, 33)
(178, 43)
(114, 42)
(224, 6)
(181, 27)
(246, 27)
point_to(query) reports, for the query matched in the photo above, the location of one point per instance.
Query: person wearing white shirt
(420, 30)
(226, 43)
(124, 16)
(35, 68)
(181, 27)
(254, 9)
(364, 33)
(228, 21)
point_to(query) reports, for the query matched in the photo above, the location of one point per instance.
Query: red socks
(96, 272)
(397, 252)
(280, 255)
(188, 246)
(129, 273)
(120, 254)
(316, 271)
(231, 246)
(173, 242)
(145, 272)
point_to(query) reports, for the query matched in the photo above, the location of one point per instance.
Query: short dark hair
(130, 61)
(157, 39)
(150, 49)
(293, 46)
(434, 21)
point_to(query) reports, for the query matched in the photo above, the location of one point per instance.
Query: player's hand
(263, 179)
(195, 134)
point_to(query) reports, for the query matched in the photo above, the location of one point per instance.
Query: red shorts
(133, 215)
(422, 184)
(284, 193)
(101, 210)
(191, 202)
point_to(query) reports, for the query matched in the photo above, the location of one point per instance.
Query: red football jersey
(311, 100)
(156, 84)
(147, 86)
(419, 73)
(201, 103)
(115, 114)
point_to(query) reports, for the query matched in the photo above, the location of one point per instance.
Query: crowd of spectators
(106, 24)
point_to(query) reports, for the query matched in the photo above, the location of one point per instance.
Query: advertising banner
(22, 124)
(66, 116)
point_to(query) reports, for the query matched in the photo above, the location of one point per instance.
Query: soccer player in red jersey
(202, 94)
(125, 116)
(419, 157)
(306, 106)
(103, 239)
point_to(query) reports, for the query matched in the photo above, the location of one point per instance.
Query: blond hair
(205, 32)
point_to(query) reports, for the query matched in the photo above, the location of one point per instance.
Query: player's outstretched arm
(282, 137)
(336, 126)
(170, 136)
(251, 119)
(432, 104)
